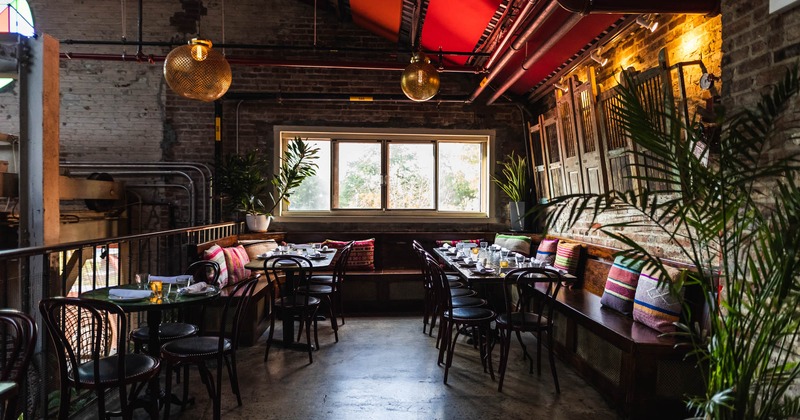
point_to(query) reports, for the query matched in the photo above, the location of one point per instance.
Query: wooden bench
(254, 313)
(643, 373)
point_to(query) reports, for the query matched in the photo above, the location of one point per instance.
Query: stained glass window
(15, 17)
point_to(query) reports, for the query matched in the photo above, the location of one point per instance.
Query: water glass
(484, 245)
(141, 280)
(519, 259)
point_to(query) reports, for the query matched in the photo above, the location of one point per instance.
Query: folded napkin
(445, 246)
(197, 287)
(173, 279)
(129, 293)
(266, 254)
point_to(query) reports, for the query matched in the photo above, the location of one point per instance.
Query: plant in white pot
(513, 181)
(244, 182)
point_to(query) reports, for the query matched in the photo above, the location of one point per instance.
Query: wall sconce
(561, 87)
(647, 22)
(595, 55)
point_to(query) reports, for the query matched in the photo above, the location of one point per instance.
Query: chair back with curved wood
(204, 270)
(18, 335)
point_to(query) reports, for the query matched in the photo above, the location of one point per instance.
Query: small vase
(257, 222)
(517, 210)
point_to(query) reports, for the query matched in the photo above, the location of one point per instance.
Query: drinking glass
(519, 259)
(141, 280)
(484, 245)
(317, 247)
(157, 287)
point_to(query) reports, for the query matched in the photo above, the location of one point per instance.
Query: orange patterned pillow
(235, 258)
(362, 258)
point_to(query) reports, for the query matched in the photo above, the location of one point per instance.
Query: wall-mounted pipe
(510, 33)
(540, 52)
(585, 7)
(517, 45)
(335, 97)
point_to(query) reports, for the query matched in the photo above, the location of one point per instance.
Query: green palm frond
(513, 178)
(297, 164)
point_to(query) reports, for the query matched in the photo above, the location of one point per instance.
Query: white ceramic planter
(257, 222)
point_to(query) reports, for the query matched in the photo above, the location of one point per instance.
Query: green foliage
(513, 180)
(297, 164)
(738, 220)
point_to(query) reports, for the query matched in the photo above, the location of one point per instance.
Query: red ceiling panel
(585, 31)
(381, 17)
(456, 25)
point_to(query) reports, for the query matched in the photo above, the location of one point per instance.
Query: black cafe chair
(329, 286)
(220, 348)
(536, 290)
(82, 331)
(18, 335)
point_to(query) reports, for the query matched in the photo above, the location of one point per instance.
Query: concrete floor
(385, 368)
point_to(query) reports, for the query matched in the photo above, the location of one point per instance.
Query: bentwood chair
(453, 319)
(220, 349)
(286, 279)
(204, 270)
(18, 335)
(539, 287)
(83, 331)
(329, 287)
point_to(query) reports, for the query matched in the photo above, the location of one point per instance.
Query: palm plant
(737, 219)
(513, 179)
(297, 164)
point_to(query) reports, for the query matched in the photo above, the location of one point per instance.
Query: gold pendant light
(420, 80)
(196, 71)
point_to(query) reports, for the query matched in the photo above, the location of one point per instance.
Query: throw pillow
(653, 304)
(235, 258)
(258, 247)
(515, 243)
(568, 255)
(621, 284)
(362, 258)
(453, 242)
(547, 251)
(216, 254)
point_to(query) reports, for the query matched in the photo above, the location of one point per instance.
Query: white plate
(484, 271)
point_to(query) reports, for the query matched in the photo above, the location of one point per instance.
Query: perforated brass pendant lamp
(196, 71)
(420, 80)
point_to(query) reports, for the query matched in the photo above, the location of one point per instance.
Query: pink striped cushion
(621, 284)
(547, 251)
(235, 258)
(567, 256)
(362, 258)
(216, 254)
(653, 304)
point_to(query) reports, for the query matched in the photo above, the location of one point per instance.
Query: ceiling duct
(585, 7)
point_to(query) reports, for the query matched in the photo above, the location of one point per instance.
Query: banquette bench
(639, 370)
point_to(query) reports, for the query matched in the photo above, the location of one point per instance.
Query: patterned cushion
(453, 242)
(257, 247)
(216, 254)
(235, 258)
(547, 251)
(362, 258)
(655, 306)
(515, 243)
(567, 256)
(621, 284)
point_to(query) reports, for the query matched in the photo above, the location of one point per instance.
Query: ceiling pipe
(517, 45)
(514, 26)
(585, 7)
(540, 52)
(264, 62)
(335, 97)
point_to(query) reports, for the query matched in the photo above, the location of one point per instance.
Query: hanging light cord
(124, 31)
(223, 27)
(315, 23)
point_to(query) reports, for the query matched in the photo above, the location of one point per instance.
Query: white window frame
(283, 134)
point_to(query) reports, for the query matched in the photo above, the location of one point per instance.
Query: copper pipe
(534, 26)
(263, 62)
(540, 52)
(514, 26)
(585, 7)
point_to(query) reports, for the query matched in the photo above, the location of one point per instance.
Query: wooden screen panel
(650, 88)
(552, 154)
(592, 161)
(617, 146)
(540, 180)
(565, 111)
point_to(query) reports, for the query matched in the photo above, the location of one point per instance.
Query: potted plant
(245, 185)
(513, 181)
(735, 215)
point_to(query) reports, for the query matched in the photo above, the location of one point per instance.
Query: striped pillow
(514, 243)
(235, 258)
(216, 254)
(362, 258)
(567, 256)
(655, 306)
(547, 251)
(621, 284)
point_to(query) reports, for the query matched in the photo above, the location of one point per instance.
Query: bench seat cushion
(620, 288)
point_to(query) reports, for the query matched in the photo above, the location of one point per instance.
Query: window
(15, 17)
(441, 173)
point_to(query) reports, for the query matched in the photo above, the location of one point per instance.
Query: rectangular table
(473, 278)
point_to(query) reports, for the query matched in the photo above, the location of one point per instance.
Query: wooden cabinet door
(552, 156)
(589, 146)
(570, 158)
(540, 179)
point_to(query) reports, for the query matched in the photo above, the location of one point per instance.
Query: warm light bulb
(200, 49)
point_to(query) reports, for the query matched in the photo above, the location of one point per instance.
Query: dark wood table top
(152, 303)
(321, 263)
